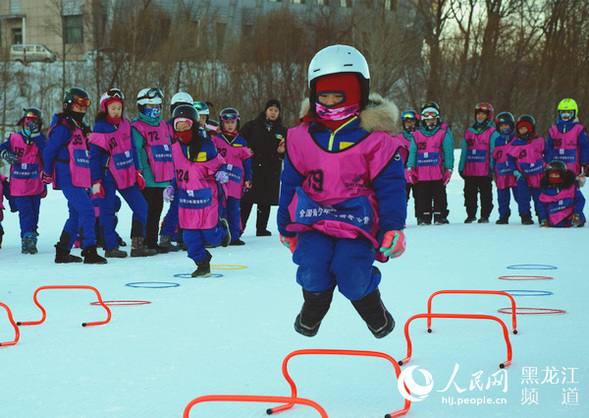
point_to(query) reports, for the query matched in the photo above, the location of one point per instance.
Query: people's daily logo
(411, 390)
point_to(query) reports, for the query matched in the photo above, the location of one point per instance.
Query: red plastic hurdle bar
(480, 292)
(84, 324)
(459, 316)
(16, 330)
(254, 398)
(293, 386)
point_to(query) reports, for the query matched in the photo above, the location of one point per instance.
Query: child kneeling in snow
(561, 201)
(200, 171)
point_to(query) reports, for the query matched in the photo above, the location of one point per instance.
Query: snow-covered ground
(229, 334)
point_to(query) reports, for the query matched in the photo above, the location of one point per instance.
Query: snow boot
(237, 242)
(63, 256)
(138, 248)
(504, 220)
(483, 220)
(30, 243)
(527, 219)
(203, 267)
(380, 322)
(470, 219)
(159, 249)
(227, 238)
(166, 242)
(115, 253)
(440, 219)
(312, 313)
(91, 256)
(263, 233)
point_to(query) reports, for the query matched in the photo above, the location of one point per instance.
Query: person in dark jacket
(265, 136)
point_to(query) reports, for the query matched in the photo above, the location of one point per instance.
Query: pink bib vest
(561, 205)
(158, 148)
(198, 192)
(79, 161)
(118, 144)
(503, 175)
(25, 175)
(566, 148)
(337, 197)
(429, 165)
(529, 160)
(234, 156)
(477, 152)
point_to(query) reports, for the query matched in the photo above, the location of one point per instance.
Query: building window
(299, 1)
(74, 32)
(274, 1)
(17, 36)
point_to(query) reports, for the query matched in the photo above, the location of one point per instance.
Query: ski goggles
(81, 101)
(566, 114)
(429, 115)
(152, 94)
(115, 93)
(180, 120)
(409, 115)
(200, 106)
(227, 117)
(483, 107)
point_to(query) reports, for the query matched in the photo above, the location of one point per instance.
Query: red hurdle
(253, 398)
(293, 386)
(84, 324)
(480, 292)
(16, 330)
(459, 316)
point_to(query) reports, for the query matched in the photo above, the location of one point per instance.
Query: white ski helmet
(151, 95)
(181, 97)
(337, 59)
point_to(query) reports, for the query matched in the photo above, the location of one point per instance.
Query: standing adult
(265, 136)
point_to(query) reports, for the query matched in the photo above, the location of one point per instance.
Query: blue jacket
(40, 140)
(389, 185)
(207, 147)
(500, 141)
(247, 164)
(578, 210)
(582, 140)
(518, 142)
(447, 148)
(99, 157)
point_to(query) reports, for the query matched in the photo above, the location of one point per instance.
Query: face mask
(506, 131)
(339, 113)
(78, 116)
(185, 136)
(153, 113)
(113, 121)
(554, 180)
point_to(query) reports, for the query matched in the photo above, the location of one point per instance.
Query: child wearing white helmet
(151, 136)
(342, 203)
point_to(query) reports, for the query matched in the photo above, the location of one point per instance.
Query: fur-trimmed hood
(379, 115)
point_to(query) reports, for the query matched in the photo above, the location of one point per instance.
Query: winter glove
(518, 175)
(393, 244)
(247, 185)
(221, 176)
(543, 222)
(97, 190)
(289, 242)
(139, 180)
(412, 175)
(576, 220)
(447, 176)
(169, 194)
(46, 178)
(9, 156)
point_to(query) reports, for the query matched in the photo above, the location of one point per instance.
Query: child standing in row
(343, 202)
(114, 166)
(410, 120)
(24, 151)
(430, 163)
(66, 164)
(561, 201)
(475, 163)
(528, 155)
(200, 171)
(233, 148)
(504, 178)
(152, 140)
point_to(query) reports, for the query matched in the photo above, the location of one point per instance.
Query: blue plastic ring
(153, 285)
(532, 267)
(528, 292)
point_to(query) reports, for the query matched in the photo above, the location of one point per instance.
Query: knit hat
(346, 83)
(272, 102)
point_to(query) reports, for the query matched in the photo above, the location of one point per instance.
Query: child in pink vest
(502, 174)
(233, 148)
(197, 185)
(561, 201)
(343, 201)
(24, 151)
(475, 163)
(528, 155)
(410, 120)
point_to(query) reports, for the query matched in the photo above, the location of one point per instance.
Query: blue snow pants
(503, 199)
(170, 223)
(28, 213)
(325, 262)
(107, 205)
(525, 194)
(81, 216)
(234, 217)
(195, 240)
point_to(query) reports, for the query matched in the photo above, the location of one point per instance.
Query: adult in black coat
(265, 136)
